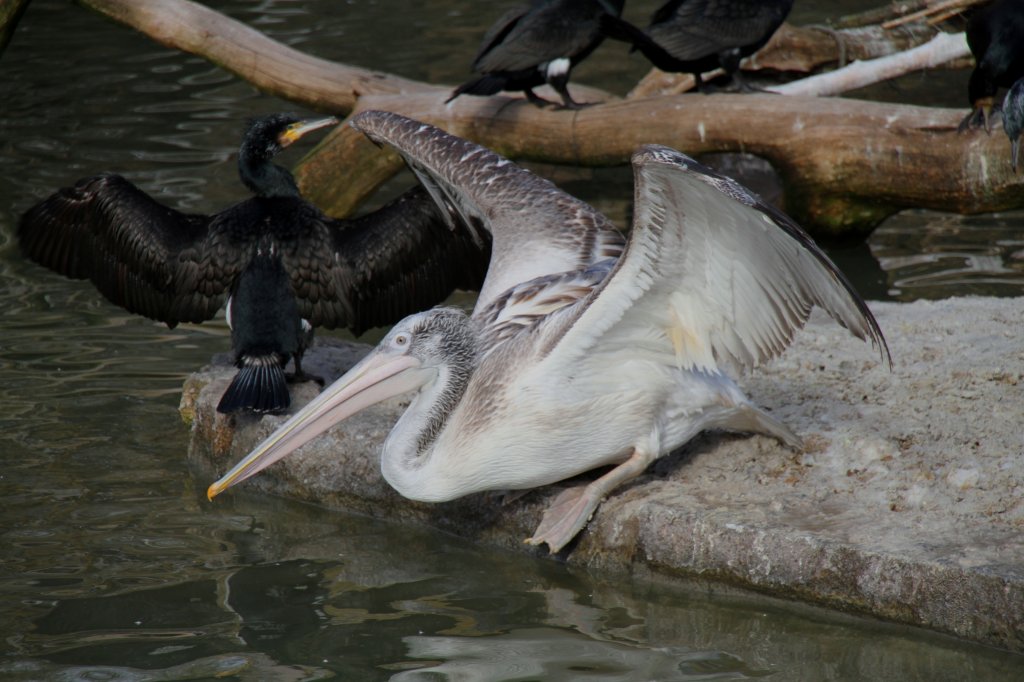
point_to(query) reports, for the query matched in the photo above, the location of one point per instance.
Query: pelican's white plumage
(580, 352)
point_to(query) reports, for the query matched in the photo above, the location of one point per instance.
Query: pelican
(582, 351)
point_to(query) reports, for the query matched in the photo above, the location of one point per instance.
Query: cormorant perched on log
(281, 262)
(995, 34)
(696, 36)
(1013, 119)
(530, 46)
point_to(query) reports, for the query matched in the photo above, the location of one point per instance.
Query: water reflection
(314, 593)
(928, 255)
(113, 567)
(557, 655)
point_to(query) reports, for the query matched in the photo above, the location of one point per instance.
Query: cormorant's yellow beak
(300, 128)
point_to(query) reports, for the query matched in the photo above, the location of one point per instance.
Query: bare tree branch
(943, 48)
(270, 66)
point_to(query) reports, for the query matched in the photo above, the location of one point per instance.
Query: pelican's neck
(412, 443)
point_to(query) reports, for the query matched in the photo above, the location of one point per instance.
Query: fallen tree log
(846, 164)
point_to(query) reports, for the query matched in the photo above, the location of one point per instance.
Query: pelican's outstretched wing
(711, 274)
(537, 229)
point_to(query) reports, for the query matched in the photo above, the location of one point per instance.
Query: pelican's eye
(401, 341)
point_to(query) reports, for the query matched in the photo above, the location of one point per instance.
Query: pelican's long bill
(379, 376)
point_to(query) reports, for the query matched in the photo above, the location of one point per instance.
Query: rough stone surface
(907, 502)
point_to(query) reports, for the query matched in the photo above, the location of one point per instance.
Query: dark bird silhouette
(531, 46)
(1013, 119)
(995, 34)
(696, 36)
(283, 265)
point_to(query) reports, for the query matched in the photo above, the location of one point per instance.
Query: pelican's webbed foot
(565, 517)
(573, 507)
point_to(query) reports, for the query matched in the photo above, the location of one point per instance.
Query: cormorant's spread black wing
(129, 246)
(404, 258)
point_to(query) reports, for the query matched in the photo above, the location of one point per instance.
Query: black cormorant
(281, 262)
(995, 34)
(530, 46)
(696, 36)
(1013, 119)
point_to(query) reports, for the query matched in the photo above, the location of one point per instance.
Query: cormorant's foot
(300, 377)
(980, 116)
(539, 101)
(573, 105)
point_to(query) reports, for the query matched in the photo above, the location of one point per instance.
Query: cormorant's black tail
(488, 84)
(260, 386)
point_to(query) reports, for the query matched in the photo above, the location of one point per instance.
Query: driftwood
(802, 49)
(846, 164)
(941, 49)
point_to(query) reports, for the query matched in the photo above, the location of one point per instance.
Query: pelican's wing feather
(523, 306)
(537, 229)
(711, 274)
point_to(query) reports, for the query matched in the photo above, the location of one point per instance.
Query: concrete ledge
(908, 503)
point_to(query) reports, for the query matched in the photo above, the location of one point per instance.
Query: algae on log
(846, 164)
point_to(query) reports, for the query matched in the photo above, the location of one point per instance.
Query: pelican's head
(409, 358)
